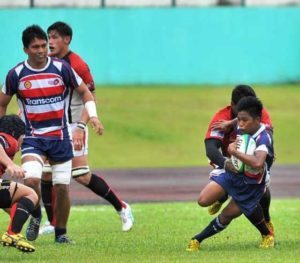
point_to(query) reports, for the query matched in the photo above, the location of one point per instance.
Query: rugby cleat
(126, 217)
(47, 228)
(214, 208)
(194, 245)
(64, 239)
(270, 226)
(268, 241)
(17, 241)
(33, 227)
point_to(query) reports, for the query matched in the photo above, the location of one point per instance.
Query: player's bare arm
(256, 161)
(224, 125)
(11, 168)
(4, 101)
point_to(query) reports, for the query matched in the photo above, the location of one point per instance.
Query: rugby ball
(245, 144)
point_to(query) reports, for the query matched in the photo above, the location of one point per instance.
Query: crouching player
(20, 198)
(245, 190)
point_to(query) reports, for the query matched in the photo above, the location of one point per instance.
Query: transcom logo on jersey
(27, 84)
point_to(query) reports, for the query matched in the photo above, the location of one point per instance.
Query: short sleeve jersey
(43, 96)
(82, 69)
(264, 142)
(10, 146)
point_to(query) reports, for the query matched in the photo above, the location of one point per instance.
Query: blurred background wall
(214, 45)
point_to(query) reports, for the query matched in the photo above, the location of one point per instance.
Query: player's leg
(81, 173)
(61, 176)
(33, 164)
(48, 198)
(265, 202)
(212, 192)
(217, 225)
(22, 201)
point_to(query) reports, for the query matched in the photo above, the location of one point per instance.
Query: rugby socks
(47, 193)
(101, 188)
(265, 202)
(60, 231)
(20, 212)
(213, 228)
(37, 212)
(257, 219)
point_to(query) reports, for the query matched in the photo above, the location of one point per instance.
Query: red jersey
(230, 136)
(82, 69)
(10, 146)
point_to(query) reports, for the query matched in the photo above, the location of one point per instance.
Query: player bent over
(43, 86)
(19, 198)
(245, 189)
(60, 36)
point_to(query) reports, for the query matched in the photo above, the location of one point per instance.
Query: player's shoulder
(75, 58)
(224, 113)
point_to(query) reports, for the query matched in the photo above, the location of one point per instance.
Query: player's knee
(61, 173)
(83, 179)
(203, 201)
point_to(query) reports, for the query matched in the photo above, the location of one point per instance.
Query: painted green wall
(171, 45)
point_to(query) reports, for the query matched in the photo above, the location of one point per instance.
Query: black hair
(241, 91)
(252, 105)
(62, 28)
(32, 32)
(12, 125)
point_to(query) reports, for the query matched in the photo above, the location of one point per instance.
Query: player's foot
(214, 208)
(64, 239)
(17, 241)
(267, 241)
(47, 228)
(126, 217)
(33, 227)
(270, 227)
(194, 245)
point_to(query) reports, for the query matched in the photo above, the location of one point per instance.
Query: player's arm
(4, 101)
(224, 125)
(256, 161)
(213, 153)
(90, 107)
(11, 168)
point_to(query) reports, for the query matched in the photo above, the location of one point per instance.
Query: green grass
(164, 126)
(161, 234)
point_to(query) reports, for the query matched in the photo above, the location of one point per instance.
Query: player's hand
(97, 125)
(78, 138)
(15, 171)
(232, 147)
(221, 125)
(228, 166)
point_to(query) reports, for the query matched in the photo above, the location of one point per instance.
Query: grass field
(164, 126)
(161, 234)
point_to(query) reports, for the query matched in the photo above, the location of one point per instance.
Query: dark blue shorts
(55, 150)
(246, 196)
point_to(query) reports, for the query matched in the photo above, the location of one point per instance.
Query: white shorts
(84, 149)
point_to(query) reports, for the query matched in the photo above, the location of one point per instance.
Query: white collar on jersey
(260, 130)
(40, 69)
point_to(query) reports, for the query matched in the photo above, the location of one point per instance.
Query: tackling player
(43, 86)
(19, 198)
(221, 132)
(60, 36)
(245, 190)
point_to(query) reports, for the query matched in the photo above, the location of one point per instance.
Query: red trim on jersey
(57, 133)
(44, 92)
(38, 76)
(45, 116)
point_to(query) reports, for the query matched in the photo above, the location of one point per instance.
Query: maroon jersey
(10, 146)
